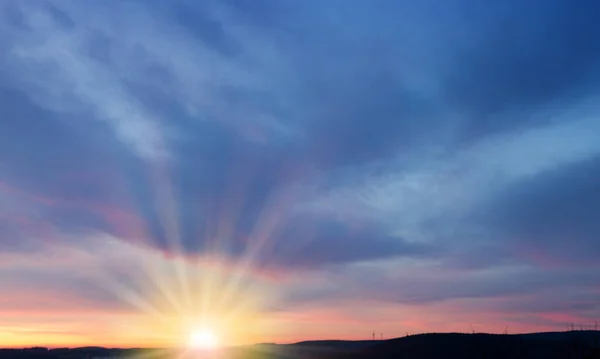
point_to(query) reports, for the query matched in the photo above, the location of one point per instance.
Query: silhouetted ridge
(491, 346)
(553, 345)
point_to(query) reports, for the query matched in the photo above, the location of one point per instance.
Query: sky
(279, 170)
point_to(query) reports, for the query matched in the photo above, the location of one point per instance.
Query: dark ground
(555, 345)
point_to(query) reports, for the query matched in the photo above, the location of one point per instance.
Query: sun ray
(269, 221)
(168, 218)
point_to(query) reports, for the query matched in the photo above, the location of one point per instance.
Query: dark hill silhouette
(342, 344)
(490, 346)
(554, 345)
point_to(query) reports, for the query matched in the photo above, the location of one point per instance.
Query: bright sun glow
(203, 339)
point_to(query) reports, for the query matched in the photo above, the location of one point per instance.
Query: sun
(205, 339)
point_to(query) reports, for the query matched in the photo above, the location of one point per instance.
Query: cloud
(439, 195)
(49, 279)
(552, 218)
(505, 293)
(552, 61)
(55, 70)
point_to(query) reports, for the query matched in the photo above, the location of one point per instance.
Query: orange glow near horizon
(152, 306)
(147, 298)
(136, 296)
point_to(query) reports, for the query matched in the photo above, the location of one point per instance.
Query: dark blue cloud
(555, 214)
(542, 56)
(58, 173)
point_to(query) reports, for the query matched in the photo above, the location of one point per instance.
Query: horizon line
(284, 343)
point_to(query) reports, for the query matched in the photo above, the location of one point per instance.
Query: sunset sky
(285, 170)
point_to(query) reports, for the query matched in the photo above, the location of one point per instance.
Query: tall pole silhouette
(373, 335)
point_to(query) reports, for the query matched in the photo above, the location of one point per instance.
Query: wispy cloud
(49, 60)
